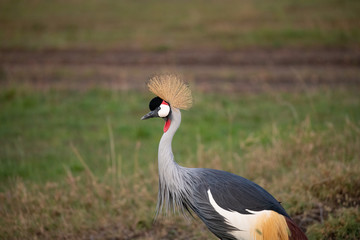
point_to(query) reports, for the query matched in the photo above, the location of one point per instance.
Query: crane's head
(170, 92)
(159, 108)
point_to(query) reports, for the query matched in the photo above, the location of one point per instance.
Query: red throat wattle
(167, 125)
(168, 121)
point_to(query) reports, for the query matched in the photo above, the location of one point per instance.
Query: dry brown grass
(85, 207)
(313, 173)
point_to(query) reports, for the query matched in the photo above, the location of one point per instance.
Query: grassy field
(76, 161)
(82, 164)
(172, 25)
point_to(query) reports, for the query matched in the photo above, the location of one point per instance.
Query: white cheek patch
(164, 110)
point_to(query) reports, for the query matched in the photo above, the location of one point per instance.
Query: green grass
(83, 163)
(38, 128)
(167, 25)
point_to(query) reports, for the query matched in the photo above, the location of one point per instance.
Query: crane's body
(231, 206)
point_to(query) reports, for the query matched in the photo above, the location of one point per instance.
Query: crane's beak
(150, 115)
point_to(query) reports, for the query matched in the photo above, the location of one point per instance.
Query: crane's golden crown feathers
(172, 89)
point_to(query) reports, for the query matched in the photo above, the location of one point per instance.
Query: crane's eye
(164, 110)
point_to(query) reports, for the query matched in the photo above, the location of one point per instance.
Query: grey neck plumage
(173, 178)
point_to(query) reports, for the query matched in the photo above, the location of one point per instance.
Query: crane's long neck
(172, 177)
(167, 165)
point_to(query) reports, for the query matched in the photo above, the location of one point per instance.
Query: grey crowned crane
(231, 206)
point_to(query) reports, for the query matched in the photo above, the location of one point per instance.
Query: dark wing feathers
(235, 193)
(232, 193)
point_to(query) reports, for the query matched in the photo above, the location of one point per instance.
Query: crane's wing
(234, 193)
(227, 203)
(239, 194)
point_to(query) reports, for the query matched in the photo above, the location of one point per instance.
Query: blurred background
(276, 99)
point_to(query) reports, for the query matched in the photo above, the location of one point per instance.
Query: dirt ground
(250, 70)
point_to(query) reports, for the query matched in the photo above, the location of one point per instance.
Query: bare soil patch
(251, 70)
